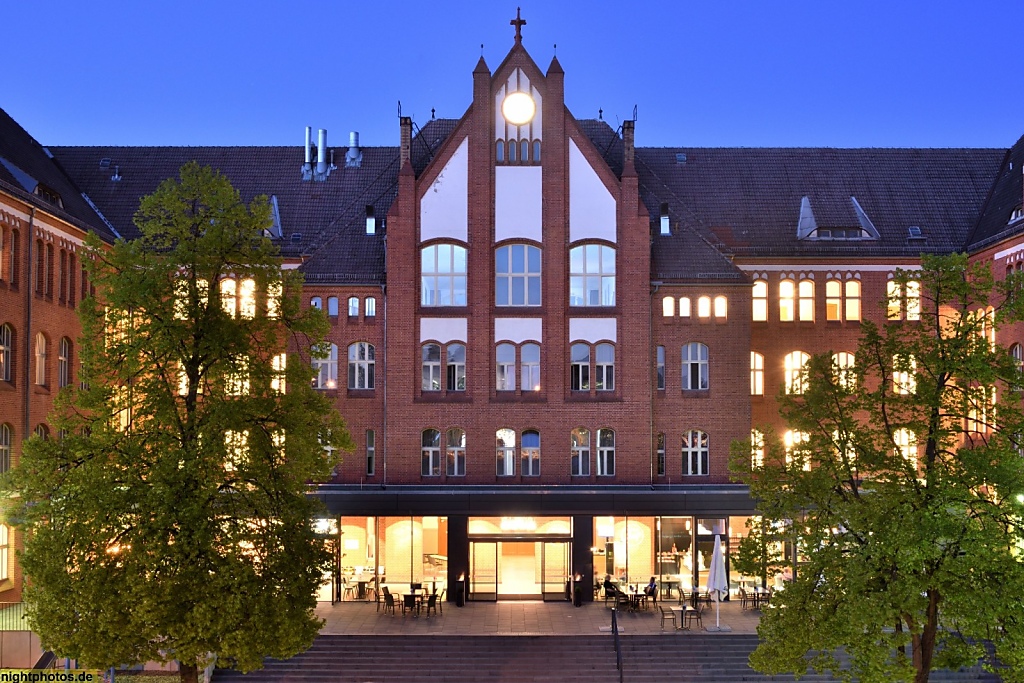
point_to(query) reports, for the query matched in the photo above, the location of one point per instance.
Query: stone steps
(662, 658)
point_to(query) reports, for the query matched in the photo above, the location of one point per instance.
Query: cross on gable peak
(518, 22)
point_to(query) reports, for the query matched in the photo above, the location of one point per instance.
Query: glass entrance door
(555, 569)
(483, 570)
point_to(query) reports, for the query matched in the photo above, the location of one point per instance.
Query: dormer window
(48, 195)
(838, 234)
(1016, 214)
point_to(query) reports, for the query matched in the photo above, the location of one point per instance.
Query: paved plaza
(528, 618)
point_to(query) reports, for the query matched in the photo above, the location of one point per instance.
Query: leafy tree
(759, 553)
(171, 521)
(904, 499)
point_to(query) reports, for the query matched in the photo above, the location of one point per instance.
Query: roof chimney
(353, 157)
(321, 152)
(405, 149)
(627, 142)
(307, 164)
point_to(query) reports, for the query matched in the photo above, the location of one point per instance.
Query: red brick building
(545, 339)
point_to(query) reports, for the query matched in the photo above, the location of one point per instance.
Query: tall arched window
(684, 307)
(805, 295)
(5, 448)
(530, 367)
(455, 366)
(505, 364)
(1017, 351)
(278, 366)
(604, 367)
(794, 443)
(530, 452)
(361, 366)
(505, 452)
(904, 374)
(430, 453)
(704, 307)
(41, 359)
(787, 300)
(579, 368)
(64, 362)
(443, 275)
(795, 367)
(6, 352)
(721, 307)
(668, 306)
(756, 374)
(843, 367)
(605, 453)
(695, 452)
(353, 307)
(455, 453)
(431, 367)
(517, 275)
(579, 464)
(247, 298)
(332, 306)
(760, 301)
(592, 275)
(695, 366)
(326, 369)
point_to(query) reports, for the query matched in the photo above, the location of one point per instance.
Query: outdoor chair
(440, 599)
(389, 602)
(693, 614)
(746, 601)
(667, 614)
(432, 603)
(409, 603)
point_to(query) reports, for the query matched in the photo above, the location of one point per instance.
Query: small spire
(518, 23)
(600, 114)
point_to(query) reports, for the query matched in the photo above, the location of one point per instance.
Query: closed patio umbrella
(718, 584)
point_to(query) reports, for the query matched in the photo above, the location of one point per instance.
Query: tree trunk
(188, 673)
(924, 644)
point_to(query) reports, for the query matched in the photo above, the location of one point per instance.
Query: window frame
(455, 370)
(6, 447)
(696, 452)
(582, 259)
(455, 453)
(6, 352)
(40, 374)
(605, 452)
(759, 300)
(63, 363)
(505, 454)
(430, 452)
(579, 367)
(441, 287)
(795, 376)
(756, 374)
(367, 364)
(604, 369)
(430, 368)
(327, 364)
(579, 452)
(698, 364)
(530, 279)
(529, 455)
(505, 371)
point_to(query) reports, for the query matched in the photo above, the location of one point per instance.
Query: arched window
(684, 307)
(332, 306)
(317, 303)
(430, 453)
(41, 359)
(42, 431)
(456, 367)
(668, 306)
(579, 369)
(721, 307)
(530, 367)
(326, 369)
(796, 450)
(605, 453)
(760, 301)
(695, 452)
(274, 293)
(361, 366)
(228, 295)
(237, 379)
(431, 366)
(505, 452)
(592, 275)
(659, 360)
(353, 307)
(278, 365)
(517, 275)
(5, 547)
(455, 453)
(805, 294)
(704, 307)
(499, 151)
(695, 366)
(904, 374)
(1017, 351)
(536, 151)
(833, 299)
(5, 448)
(513, 148)
(795, 367)
(579, 465)
(843, 367)
(370, 309)
(524, 150)
(787, 300)
(905, 444)
(756, 374)
(505, 363)
(443, 275)
(247, 298)
(6, 351)
(530, 452)
(64, 362)
(604, 367)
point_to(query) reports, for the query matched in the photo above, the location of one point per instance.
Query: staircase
(667, 658)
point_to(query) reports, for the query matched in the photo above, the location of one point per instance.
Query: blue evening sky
(850, 73)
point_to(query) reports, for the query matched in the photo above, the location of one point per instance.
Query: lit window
(605, 367)
(805, 292)
(64, 362)
(41, 359)
(5, 547)
(455, 453)
(913, 300)
(756, 449)
(530, 367)
(605, 453)
(277, 372)
(695, 452)
(505, 452)
(853, 300)
(695, 366)
(903, 300)
(529, 451)
(795, 367)
(756, 374)
(592, 275)
(704, 307)
(431, 357)
(247, 298)
(1017, 352)
(721, 307)
(843, 369)
(684, 307)
(5, 448)
(833, 300)
(456, 367)
(274, 299)
(237, 378)
(236, 447)
(668, 307)
(760, 301)
(361, 366)
(980, 409)
(430, 453)
(370, 304)
(660, 367)
(6, 352)
(443, 275)
(905, 445)
(353, 307)
(787, 294)
(517, 275)
(505, 362)
(659, 455)
(580, 367)
(326, 369)
(228, 295)
(796, 450)
(580, 453)
(904, 378)
(371, 452)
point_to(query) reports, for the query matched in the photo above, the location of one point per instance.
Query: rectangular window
(833, 300)
(659, 456)
(787, 297)
(805, 293)
(661, 367)
(579, 371)
(371, 307)
(760, 301)
(371, 452)
(853, 299)
(353, 307)
(456, 369)
(580, 456)
(505, 365)
(332, 306)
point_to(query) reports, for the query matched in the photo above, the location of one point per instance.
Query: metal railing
(618, 645)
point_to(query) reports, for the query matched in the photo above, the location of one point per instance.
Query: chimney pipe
(353, 157)
(627, 141)
(321, 152)
(405, 150)
(309, 143)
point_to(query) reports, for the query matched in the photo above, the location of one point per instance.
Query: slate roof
(24, 164)
(1007, 195)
